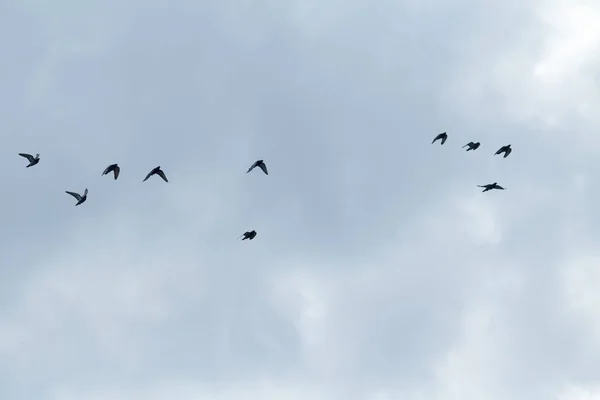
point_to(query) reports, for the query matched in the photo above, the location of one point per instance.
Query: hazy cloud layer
(380, 271)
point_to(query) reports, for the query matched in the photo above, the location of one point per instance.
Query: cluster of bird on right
(442, 137)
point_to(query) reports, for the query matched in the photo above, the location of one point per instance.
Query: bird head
(37, 155)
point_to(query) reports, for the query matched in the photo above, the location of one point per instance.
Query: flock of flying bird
(442, 137)
(116, 170)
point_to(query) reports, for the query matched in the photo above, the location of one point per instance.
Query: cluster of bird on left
(116, 170)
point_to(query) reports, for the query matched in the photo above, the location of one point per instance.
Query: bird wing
(85, 192)
(437, 137)
(499, 187)
(76, 195)
(500, 150)
(27, 156)
(148, 176)
(252, 166)
(444, 138)
(116, 171)
(108, 169)
(507, 152)
(263, 166)
(162, 175)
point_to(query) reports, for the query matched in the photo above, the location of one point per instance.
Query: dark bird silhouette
(80, 198)
(158, 172)
(504, 149)
(472, 146)
(249, 235)
(32, 160)
(491, 186)
(261, 164)
(443, 136)
(114, 168)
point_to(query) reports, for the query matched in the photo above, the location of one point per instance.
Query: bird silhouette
(249, 235)
(261, 164)
(491, 186)
(472, 146)
(80, 198)
(114, 168)
(158, 172)
(443, 136)
(504, 149)
(32, 160)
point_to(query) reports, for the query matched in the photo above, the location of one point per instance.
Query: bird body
(32, 160)
(491, 186)
(472, 146)
(156, 171)
(261, 164)
(114, 168)
(249, 235)
(442, 136)
(80, 198)
(504, 149)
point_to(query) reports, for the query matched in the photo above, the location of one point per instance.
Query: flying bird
(261, 164)
(249, 235)
(32, 160)
(443, 136)
(472, 146)
(158, 172)
(504, 149)
(491, 186)
(80, 198)
(114, 168)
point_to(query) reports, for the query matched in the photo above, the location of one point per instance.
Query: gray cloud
(380, 271)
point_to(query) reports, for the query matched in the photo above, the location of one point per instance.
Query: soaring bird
(249, 235)
(491, 186)
(114, 168)
(158, 172)
(442, 136)
(504, 149)
(80, 198)
(261, 164)
(472, 146)
(32, 160)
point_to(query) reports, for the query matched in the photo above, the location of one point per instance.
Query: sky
(380, 270)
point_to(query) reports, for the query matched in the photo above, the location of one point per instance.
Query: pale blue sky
(380, 271)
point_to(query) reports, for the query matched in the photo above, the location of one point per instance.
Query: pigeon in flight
(443, 136)
(114, 168)
(261, 164)
(491, 186)
(80, 198)
(249, 235)
(32, 160)
(472, 146)
(158, 172)
(504, 149)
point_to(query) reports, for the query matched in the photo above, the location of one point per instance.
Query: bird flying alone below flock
(260, 164)
(156, 171)
(491, 186)
(32, 160)
(114, 168)
(249, 235)
(504, 149)
(442, 136)
(80, 198)
(472, 146)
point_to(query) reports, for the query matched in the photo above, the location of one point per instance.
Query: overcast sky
(379, 272)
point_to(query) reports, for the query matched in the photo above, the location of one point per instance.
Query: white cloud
(380, 271)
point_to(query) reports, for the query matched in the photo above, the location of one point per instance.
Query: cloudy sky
(380, 271)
